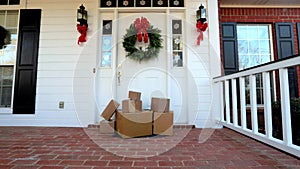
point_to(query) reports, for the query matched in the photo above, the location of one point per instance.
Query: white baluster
(227, 103)
(243, 102)
(267, 104)
(285, 106)
(234, 102)
(253, 103)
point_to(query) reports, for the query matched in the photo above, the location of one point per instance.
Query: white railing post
(243, 103)
(285, 106)
(253, 103)
(221, 89)
(227, 103)
(234, 102)
(267, 104)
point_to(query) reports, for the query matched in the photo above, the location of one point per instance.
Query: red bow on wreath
(142, 25)
(201, 28)
(82, 30)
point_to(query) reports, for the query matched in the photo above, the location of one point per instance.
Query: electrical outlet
(61, 104)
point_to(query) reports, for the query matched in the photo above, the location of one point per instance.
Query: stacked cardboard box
(107, 126)
(133, 95)
(162, 116)
(131, 106)
(130, 125)
(132, 121)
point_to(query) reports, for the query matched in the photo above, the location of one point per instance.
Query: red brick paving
(76, 148)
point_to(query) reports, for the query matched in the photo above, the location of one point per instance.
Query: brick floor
(82, 148)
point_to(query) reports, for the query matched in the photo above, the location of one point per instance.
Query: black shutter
(285, 40)
(26, 64)
(230, 52)
(286, 48)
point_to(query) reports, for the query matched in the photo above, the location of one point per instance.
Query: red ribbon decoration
(201, 28)
(82, 30)
(142, 25)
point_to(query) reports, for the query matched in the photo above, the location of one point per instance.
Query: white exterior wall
(203, 64)
(65, 69)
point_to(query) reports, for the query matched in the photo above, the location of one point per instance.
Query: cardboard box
(110, 109)
(131, 106)
(130, 125)
(107, 127)
(133, 95)
(160, 104)
(163, 123)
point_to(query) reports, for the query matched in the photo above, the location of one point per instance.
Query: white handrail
(265, 68)
(227, 85)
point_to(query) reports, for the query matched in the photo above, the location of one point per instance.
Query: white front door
(148, 77)
(153, 78)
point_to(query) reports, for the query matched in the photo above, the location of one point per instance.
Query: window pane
(177, 59)
(12, 19)
(264, 47)
(243, 62)
(177, 43)
(106, 59)
(14, 2)
(265, 58)
(247, 87)
(263, 32)
(259, 79)
(7, 75)
(3, 2)
(8, 55)
(106, 43)
(6, 78)
(242, 32)
(259, 96)
(252, 32)
(2, 18)
(253, 47)
(254, 60)
(243, 47)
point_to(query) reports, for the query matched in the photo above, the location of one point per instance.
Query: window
(254, 45)
(9, 21)
(254, 48)
(177, 43)
(106, 43)
(9, 2)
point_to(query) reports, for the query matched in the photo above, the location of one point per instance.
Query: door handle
(119, 74)
(119, 77)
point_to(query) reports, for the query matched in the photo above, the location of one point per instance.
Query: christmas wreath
(142, 41)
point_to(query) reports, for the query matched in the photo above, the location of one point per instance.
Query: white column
(214, 40)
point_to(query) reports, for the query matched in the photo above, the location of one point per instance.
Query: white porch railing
(235, 117)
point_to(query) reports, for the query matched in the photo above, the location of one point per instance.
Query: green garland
(155, 43)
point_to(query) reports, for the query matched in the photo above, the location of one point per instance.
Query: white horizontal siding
(64, 68)
(200, 65)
